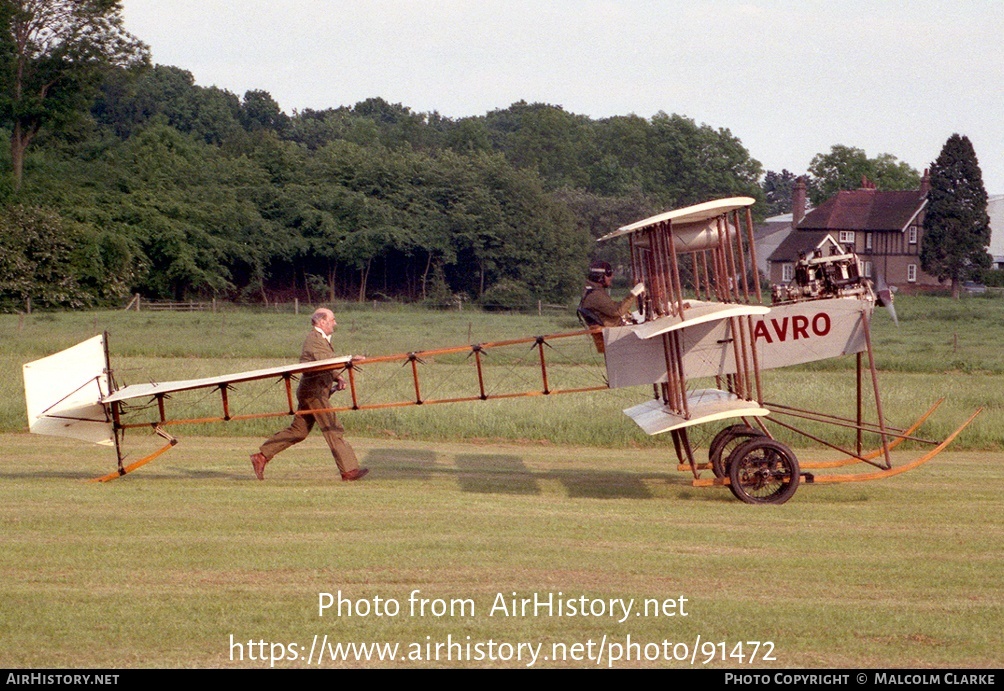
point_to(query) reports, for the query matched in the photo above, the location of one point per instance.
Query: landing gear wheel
(724, 443)
(763, 471)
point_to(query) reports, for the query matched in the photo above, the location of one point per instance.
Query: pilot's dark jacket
(596, 300)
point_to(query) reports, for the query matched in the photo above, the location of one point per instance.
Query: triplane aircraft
(700, 339)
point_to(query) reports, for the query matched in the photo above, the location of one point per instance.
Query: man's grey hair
(319, 314)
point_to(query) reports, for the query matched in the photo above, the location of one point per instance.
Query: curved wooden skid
(817, 465)
(864, 477)
(850, 460)
(133, 466)
(881, 474)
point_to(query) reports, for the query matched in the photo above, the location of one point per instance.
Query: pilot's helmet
(598, 270)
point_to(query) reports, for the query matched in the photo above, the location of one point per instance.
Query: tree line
(127, 177)
(175, 190)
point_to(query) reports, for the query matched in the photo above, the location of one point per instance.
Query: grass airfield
(160, 568)
(470, 502)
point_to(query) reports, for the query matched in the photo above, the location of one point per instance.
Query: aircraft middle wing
(783, 335)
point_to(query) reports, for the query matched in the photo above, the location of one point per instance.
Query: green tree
(544, 138)
(259, 111)
(777, 190)
(845, 167)
(52, 54)
(131, 99)
(691, 163)
(956, 224)
(889, 173)
(35, 253)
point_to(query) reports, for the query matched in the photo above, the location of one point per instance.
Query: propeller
(885, 297)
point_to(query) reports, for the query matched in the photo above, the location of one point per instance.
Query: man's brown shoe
(258, 462)
(357, 474)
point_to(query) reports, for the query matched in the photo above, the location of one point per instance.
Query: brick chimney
(798, 202)
(925, 183)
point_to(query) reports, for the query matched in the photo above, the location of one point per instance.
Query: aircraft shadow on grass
(508, 474)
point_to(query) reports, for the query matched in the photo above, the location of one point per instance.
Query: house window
(846, 237)
(868, 269)
(868, 241)
(787, 272)
(911, 273)
(912, 235)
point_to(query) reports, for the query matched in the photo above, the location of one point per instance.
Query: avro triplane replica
(700, 340)
(712, 325)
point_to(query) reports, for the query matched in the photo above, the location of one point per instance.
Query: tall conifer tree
(956, 224)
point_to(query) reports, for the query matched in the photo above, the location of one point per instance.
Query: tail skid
(123, 470)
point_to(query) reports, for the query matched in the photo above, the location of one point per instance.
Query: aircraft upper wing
(158, 388)
(690, 215)
(699, 313)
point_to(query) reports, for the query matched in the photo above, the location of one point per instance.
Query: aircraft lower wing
(705, 405)
(69, 394)
(161, 388)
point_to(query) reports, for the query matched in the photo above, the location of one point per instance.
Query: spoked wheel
(724, 443)
(763, 471)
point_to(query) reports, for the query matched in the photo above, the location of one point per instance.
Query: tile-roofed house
(885, 228)
(866, 209)
(768, 236)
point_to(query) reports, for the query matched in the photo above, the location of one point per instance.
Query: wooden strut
(838, 421)
(865, 319)
(740, 388)
(673, 400)
(860, 414)
(818, 440)
(678, 339)
(287, 381)
(352, 390)
(413, 359)
(685, 441)
(675, 269)
(663, 286)
(543, 366)
(817, 465)
(752, 246)
(742, 259)
(481, 376)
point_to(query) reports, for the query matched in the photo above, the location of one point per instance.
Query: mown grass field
(467, 501)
